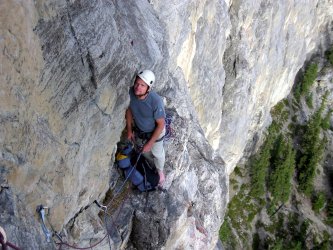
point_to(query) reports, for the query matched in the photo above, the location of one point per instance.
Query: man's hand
(129, 121)
(130, 135)
(147, 147)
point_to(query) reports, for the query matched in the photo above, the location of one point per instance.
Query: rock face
(269, 42)
(66, 67)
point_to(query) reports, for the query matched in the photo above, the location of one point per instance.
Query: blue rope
(122, 186)
(116, 194)
(168, 129)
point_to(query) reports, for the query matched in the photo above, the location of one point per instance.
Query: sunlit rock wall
(66, 67)
(268, 44)
(239, 58)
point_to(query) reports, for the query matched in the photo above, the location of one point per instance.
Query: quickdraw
(41, 211)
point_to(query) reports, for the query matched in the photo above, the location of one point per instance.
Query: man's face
(140, 87)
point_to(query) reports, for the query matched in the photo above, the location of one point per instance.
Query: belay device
(138, 169)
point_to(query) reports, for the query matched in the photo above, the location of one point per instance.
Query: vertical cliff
(66, 67)
(269, 43)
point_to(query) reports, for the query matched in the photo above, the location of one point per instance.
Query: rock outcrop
(66, 67)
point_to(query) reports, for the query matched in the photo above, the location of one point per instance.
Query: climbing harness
(141, 134)
(146, 135)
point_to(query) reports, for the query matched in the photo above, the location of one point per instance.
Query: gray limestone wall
(66, 67)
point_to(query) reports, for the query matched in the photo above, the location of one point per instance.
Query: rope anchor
(44, 211)
(41, 211)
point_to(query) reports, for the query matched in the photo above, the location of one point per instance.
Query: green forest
(280, 177)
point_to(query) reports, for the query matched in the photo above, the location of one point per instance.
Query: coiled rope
(168, 129)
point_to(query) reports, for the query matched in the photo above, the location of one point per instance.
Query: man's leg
(159, 159)
(157, 155)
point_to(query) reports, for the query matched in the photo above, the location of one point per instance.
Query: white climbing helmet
(148, 77)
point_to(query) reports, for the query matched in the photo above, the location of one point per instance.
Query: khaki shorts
(157, 153)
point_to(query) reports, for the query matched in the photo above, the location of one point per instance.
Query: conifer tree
(310, 76)
(283, 167)
(261, 164)
(311, 151)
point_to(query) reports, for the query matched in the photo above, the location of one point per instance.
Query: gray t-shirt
(146, 111)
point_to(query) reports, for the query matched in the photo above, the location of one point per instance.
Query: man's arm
(160, 123)
(129, 122)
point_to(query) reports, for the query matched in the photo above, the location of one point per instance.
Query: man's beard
(142, 95)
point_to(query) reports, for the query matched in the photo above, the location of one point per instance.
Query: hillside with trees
(282, 198)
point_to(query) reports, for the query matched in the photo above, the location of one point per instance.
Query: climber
(145, 120)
